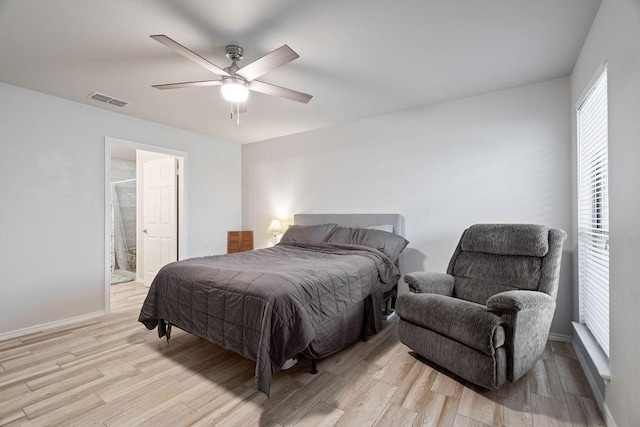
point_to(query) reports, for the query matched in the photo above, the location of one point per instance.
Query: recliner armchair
(488, 318)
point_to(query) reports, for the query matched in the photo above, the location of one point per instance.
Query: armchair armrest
(431, 283)
(520, 300)
(527, 318)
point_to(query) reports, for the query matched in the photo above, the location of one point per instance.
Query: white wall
(615, 37)
(52, 201)
(498, 157)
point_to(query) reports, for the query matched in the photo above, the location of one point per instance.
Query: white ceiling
(359, 58)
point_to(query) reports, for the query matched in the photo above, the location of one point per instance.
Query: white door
(159, 216)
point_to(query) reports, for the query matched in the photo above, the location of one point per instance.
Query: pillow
(385, 227)
(308, 233)
(341, 236)
(388, 243)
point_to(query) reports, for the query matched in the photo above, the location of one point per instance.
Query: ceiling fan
(236, 82)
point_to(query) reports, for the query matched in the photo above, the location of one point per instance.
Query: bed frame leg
(168, 332)
(313, 370)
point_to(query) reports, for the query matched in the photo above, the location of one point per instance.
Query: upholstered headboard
(353, 220)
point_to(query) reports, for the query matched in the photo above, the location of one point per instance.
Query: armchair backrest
(493, 258)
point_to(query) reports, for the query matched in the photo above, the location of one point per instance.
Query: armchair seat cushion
(463, 321)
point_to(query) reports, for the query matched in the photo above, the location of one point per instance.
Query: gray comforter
(268, 304)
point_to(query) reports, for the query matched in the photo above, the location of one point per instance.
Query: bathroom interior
(123, 215)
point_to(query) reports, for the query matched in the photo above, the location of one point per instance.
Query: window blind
(593, 211)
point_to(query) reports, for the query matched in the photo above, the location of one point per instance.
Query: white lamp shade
(275, 227)
(234, 90)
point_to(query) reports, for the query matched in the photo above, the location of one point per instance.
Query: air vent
(109, 100)
(118, 102)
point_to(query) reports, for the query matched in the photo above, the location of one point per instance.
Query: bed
(319, 290)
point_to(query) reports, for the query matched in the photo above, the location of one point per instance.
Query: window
(593, 211)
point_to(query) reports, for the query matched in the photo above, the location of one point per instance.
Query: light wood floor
(113, 371)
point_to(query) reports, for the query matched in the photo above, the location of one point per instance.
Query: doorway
(144, 211)
(123, 215)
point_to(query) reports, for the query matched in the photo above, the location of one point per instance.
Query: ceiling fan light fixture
(234, 89)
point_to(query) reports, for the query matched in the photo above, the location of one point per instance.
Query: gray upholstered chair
(488, 318)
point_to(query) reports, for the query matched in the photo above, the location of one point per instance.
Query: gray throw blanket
(267, 304)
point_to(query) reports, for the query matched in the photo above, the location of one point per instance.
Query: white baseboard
(559, 337)
(50, 325)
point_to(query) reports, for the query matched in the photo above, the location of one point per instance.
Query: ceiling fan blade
(278, 57)
(189, 84)
(282, 92)
(192, 56)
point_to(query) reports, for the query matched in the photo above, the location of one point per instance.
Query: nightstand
(239, 241)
